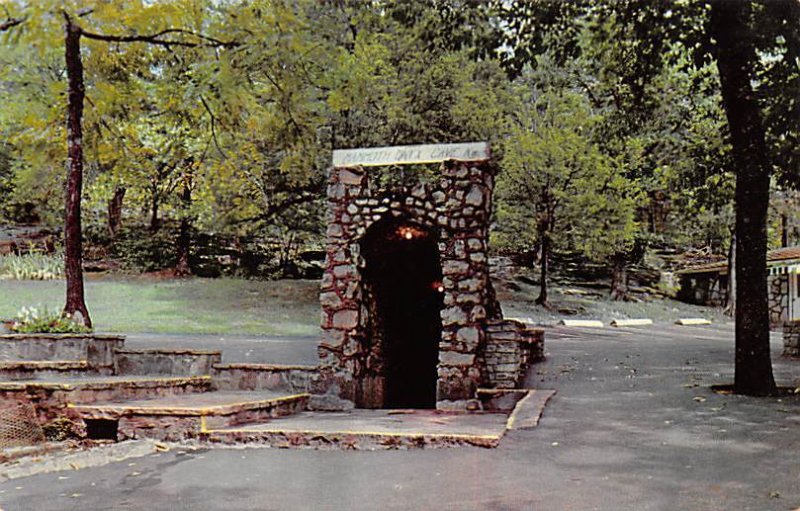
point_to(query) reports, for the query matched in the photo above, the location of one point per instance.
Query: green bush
(32, 266)
(139, 250)
(31, 320)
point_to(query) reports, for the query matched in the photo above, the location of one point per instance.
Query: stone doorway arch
(403, 294)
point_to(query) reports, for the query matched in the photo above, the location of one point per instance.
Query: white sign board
(408, 154)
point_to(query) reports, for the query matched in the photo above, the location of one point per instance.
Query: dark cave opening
(404, 274)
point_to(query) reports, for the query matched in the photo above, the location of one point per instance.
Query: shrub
(32, 266)
(31, 320)
(139, 250)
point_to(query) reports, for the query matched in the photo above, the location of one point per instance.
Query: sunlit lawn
(196, 306)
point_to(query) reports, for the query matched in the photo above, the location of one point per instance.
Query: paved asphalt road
(236, 348)
(634, 426)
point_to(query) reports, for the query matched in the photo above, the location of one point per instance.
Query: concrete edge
(55, 337)
(355, 440)
(11, 454)
(63, 365)
(590, 323)
(262, 367)
(529, 410)
(92, 457)
(692, 321)
(166, 351)
(99, 384)
(631, 322)
(199, 411)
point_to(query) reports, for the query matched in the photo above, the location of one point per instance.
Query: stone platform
(109, 392)
(369, 429)
(182, 417)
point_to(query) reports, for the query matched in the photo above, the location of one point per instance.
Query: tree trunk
(736, 57)
(73, 250)
(545, 262)
(730, 306)
(784, 230)
(619, 278)
(115, 211)
(154, 212)
(182, 268)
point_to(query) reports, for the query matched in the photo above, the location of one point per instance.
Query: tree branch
(10, 23)
(157, 39)
(213, 127)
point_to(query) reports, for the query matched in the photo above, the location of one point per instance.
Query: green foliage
(615, 102)
(138, 249)
(33, 320)
(557, 183)
(32, 266)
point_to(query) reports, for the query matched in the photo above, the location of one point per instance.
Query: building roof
(775, 258)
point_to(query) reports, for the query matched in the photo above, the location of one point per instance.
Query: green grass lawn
(192, 306)
(285, 307)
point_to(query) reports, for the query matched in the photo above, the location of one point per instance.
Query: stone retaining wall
(98, 350)
(166, 362)
(791, 339)
(510, 349)
(778, 287)
(292, 378)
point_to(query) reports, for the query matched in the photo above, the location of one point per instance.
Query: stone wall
(778, 299)
(510, 348)
(703, 289)
(96, 349)
(791, 339)
(166, 362)
(242, 376)
(456, 205)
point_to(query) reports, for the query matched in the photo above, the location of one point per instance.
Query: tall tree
(73, 252)
(731, 27)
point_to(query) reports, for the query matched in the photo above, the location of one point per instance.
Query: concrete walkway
(634, 426)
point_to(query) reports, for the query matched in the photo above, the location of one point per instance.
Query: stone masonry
(778, 298)
(791, 339)
(510, 348)
(456, 206)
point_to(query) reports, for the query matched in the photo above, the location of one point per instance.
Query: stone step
(96, 349)
(368, 429)
(50, 396)
(44, 369)
(171, 362)
(180, 417)
(279, 378)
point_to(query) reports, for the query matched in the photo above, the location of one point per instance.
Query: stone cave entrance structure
(409, 315)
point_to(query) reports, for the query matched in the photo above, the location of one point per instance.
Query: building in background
(708, 284)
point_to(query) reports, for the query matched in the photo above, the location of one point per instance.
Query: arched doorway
(402, 278)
